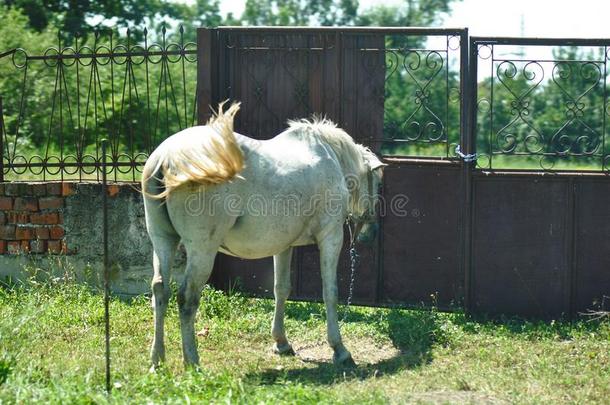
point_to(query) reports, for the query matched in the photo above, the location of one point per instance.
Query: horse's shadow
(412, 333)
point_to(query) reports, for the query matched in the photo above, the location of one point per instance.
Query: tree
(300, 13)
(412, 13)
(79, 15)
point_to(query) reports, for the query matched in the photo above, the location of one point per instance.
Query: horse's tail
(211, 159)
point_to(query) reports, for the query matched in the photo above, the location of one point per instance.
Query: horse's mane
(350, 154)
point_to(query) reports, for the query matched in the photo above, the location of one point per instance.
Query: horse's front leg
(198, 270)
(330, 248)
(281, 291)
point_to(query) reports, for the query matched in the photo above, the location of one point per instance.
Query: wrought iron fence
(542, 104)
(421, 94)
(533, 109)
(56, 106)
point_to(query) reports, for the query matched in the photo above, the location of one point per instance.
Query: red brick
(2, 247)
(6, 203)
(67, 189)
(50, 203)
(24, 233)
(61, 217)
(25, 204)
(2, 218)
(7, 232)
(39, 189)
(53, 188)
(13, 247)
(38, 246)
(18, 217)
(113, 190)
(54, 246)
(41, 232)
(56, 232)
(49, 218)
(25, 246)
(12, 189)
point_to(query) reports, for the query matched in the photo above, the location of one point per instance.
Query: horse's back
(280, 194)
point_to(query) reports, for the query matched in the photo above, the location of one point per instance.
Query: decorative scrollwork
(418, 70)
(133, 93)
(549, 111)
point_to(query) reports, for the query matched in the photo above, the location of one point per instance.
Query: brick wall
(43, 224)
(32, 218)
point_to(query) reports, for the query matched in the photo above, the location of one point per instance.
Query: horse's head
(366, 218)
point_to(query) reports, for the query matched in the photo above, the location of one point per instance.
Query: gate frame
(209, 93)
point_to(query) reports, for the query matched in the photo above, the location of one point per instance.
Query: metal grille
(71, 96)
(542, 104)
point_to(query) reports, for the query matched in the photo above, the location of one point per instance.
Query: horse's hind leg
(330, 248)
(164, 249)
(281, 290)
(198, 269)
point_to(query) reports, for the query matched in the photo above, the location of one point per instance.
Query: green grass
(51, 350)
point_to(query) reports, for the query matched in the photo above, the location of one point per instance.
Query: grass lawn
(52, 347)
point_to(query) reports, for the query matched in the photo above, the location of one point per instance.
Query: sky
(532, 18)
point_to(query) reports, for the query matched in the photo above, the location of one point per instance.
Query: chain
(472, 157)
(353, 258)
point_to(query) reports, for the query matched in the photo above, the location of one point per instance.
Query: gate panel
(283, 73)
(592, 261)
(278, 75)
(421, 255)
(363, 73)
(287, 74)
(521, 245)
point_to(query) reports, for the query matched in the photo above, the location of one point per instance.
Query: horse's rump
(210, 156)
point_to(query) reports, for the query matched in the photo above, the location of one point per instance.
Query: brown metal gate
(283, 73)
(540, 239)
(531, 243)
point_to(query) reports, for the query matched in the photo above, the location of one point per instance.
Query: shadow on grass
(413, 333)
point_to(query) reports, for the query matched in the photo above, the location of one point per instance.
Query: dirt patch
(452, 397)
(364, 351)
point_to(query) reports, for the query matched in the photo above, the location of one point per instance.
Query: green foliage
(300, 13)
(412, 13)
(77, 16)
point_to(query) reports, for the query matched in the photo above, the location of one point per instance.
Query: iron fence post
(468, 83)
(106, 270)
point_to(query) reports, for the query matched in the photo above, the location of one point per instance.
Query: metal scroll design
(543, 114)
(71, 96)
(420, 100)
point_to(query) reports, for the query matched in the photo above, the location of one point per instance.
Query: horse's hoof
(192, 368)
(283, 349)
(343, 359)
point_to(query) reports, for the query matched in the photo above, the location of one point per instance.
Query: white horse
(216, 190)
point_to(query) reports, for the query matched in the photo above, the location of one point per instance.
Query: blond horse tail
(211, 159)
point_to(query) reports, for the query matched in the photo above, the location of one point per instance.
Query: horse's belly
(255, 242)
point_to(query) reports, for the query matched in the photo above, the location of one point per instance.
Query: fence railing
(538, 104)
(542, 103)
(59, 104)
